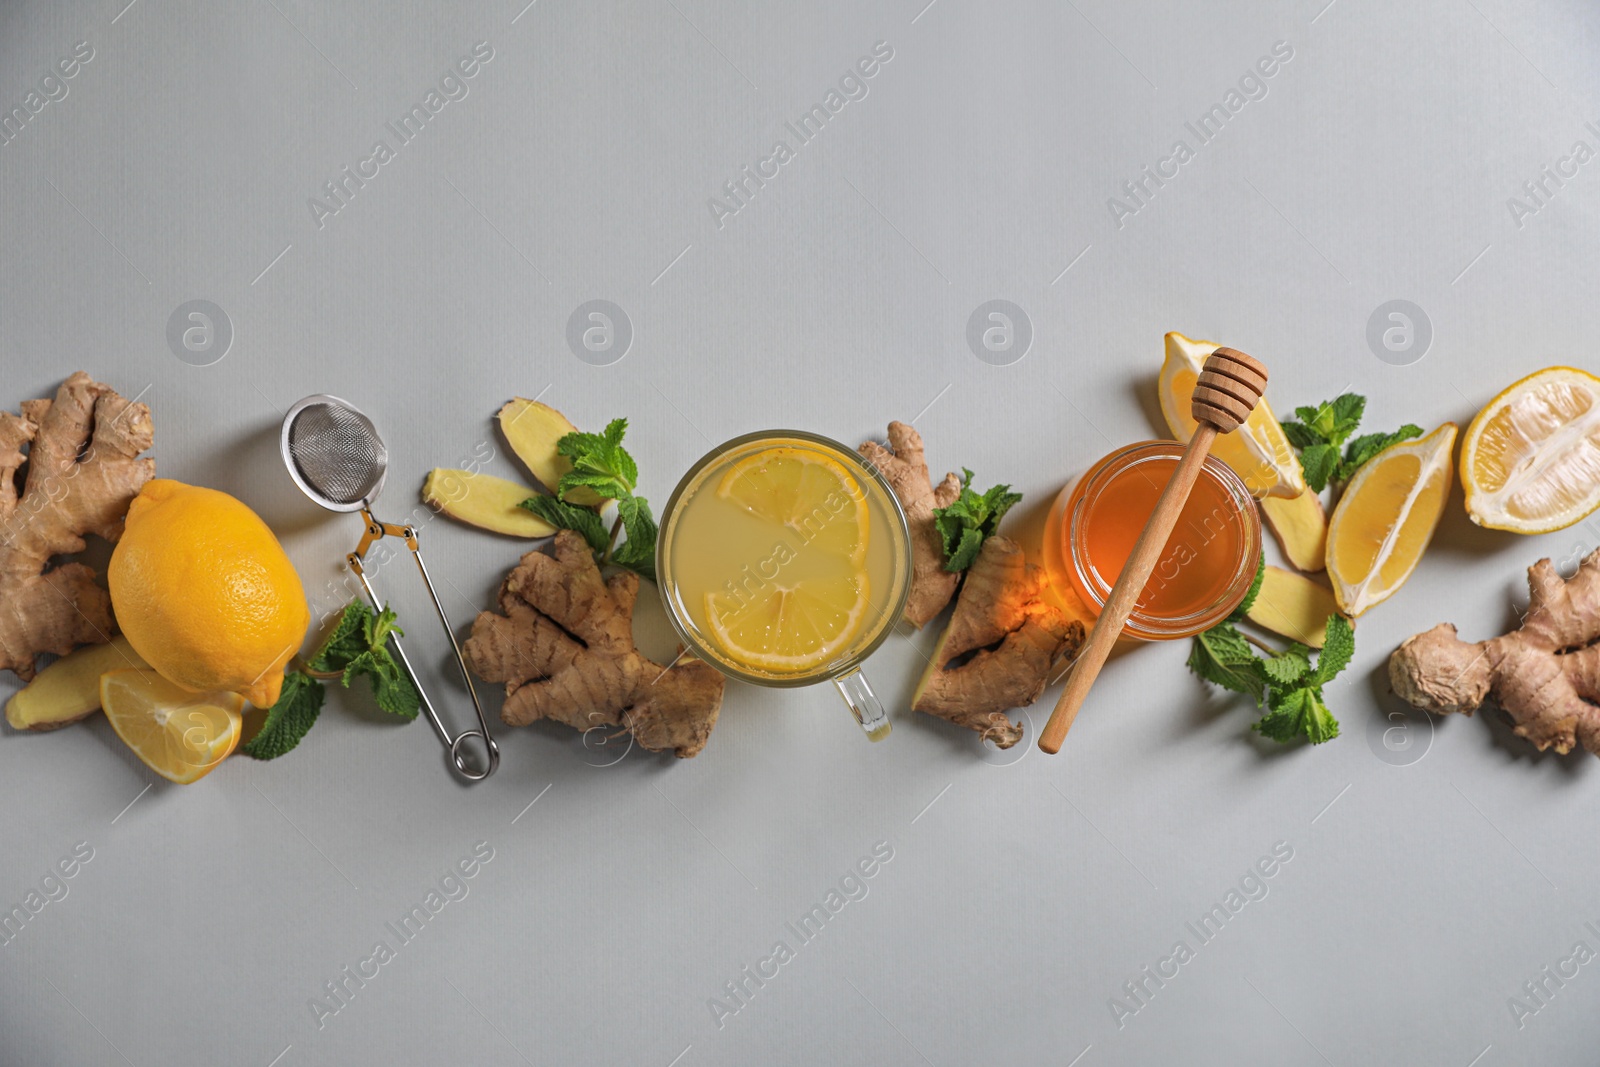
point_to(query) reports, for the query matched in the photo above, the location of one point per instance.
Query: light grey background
(1021, 895)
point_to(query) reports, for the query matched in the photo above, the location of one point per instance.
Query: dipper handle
(1229, 388)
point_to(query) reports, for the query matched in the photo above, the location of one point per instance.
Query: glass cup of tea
(784, 560)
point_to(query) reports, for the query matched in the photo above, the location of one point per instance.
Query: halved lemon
(1257, 451)
(812, 495)
(797, 627)
(180, 735)
(1386, 518)
(1530, 461)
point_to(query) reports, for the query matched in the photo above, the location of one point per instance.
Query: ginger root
(83, 471)
(1003, 643)
(563, 647)
(1545, 674)
(906, 469)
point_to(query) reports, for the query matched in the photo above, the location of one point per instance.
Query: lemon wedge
(1530, 461)
(1386, 518)
(180, 735)
(1257, 451)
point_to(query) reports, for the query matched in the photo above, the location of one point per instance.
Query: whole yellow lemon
(204, 592)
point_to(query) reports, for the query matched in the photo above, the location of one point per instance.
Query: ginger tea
(783, 558)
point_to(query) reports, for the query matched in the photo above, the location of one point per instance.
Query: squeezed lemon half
(1530, 461)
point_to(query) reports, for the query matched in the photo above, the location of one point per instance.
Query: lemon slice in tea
(795, 627)
(808, 493)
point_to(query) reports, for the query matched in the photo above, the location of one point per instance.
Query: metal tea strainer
(335, 456)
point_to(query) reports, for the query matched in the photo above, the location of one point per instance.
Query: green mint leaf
(1300, 435)
(606, 485)
(1319, 724)
(365, 663)
(348, 640)
(969, 519)
(1283, 722)
(378, 628)
(1320, 463)
(1347, 411)
(599, 462)
(1299, 713)
(1365, 447)
(288, 720)
(1250, 594)
(968, 541)
(1223, 657)
(1338, 648)
(565, 516)
(638, 552)
(393, 691)
(1288, 666)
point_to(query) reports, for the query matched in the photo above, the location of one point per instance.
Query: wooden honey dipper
(1229, 388)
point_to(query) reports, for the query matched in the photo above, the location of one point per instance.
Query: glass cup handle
(863, 704)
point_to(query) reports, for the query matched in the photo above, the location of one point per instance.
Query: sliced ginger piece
(68, 690)
(1293, 606)
(905, 466)
(533, 431)
(83, 471)
(1002, 645)
(484, 501)
(563, 647)
(1545, 674)
(1301, 528)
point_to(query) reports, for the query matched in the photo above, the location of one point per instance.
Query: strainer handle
(457, 744)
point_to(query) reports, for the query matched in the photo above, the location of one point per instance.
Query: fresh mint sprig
(969, 519)
(357, 647)
(1286, 684)
(601, 465)
(1320, 433)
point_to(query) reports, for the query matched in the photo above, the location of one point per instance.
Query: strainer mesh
(338, 452)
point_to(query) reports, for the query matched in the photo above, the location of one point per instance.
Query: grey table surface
(1433, 870)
